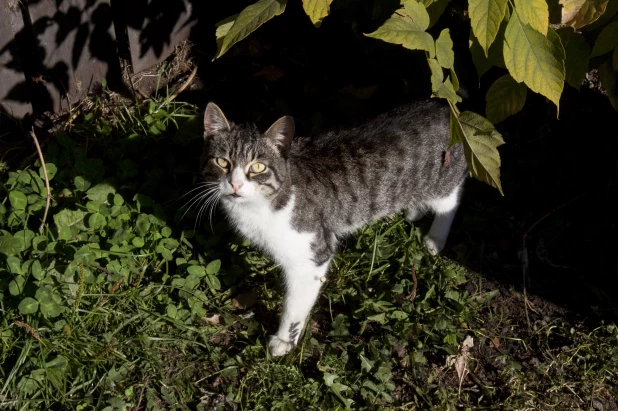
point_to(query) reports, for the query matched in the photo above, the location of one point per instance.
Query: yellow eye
(257, 168)
(221, 162)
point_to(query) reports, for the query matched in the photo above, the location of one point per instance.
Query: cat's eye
(221, 162)
(257, 168)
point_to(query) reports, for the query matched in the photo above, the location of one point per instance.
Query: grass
(121, 303)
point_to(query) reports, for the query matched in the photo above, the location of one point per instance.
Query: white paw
(278, 347)
(434, 246)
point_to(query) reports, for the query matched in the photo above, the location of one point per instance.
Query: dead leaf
(494, 343)
(461, 359)
(245, 300)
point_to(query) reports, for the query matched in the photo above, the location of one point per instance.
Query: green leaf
(196, 270)
(142, 225)
(81, 183)
(481, 142)
(138, 242)
(607, 40)
(118, 200)
(18, 200)
(166, 232)
(535, 59)
(28, 306)
(37, 270)
(10, 245)
(48, 302)
(317, 10)
(535, 13)
(96, 221)
(100, 192)
(51, 171)
(580, 13)
(577, 56)
(191, 282)
(407, 31)
(70, 218)
(494, 55)
(14, 265)
(504, 98)
(249, 20)
(485, 18)
(25, 236)
(213, 282)
(223, 27)
(17, 285)
(213, 267)
(444, 50)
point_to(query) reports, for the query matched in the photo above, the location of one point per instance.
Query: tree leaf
(577, 56)
(435, 10)
(18, 200)
(485, 18)
(504, 98)
(444, 50)
(580, 13)
(28, 306)
(417, 13)
(607, 40)
(481, 142)
(317, 10)
(249, 20)
(407, 31)
(534, 59)
(494, 55)
(535, 13)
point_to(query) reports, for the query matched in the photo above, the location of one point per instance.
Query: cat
(294, 197)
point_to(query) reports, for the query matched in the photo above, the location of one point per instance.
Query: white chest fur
(272, 231)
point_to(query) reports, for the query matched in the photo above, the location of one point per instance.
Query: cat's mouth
(235, 195)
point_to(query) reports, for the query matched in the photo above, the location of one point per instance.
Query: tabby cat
(294, 197)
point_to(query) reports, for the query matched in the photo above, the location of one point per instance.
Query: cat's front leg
(302, 286)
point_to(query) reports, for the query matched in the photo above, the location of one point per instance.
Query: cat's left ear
(282, 131)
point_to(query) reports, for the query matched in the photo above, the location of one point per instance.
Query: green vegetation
(130, 299)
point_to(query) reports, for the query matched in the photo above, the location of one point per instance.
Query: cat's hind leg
(445, 209)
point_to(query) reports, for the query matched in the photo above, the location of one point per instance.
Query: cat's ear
(214, 120)
(282, 131)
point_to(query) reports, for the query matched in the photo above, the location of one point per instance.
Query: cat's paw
(278, 347)
(434, 246)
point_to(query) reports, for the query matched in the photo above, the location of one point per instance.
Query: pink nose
(236, 186)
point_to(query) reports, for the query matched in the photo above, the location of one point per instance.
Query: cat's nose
(236, 186)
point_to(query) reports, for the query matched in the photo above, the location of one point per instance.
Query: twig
(524, 252)
(98, 267)
(38, 149)
(183, 87)
(415, 283)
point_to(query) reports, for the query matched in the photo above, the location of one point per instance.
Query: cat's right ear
(214, 120)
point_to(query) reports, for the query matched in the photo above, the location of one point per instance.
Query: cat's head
(242, 163)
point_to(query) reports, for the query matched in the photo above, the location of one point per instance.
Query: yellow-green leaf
(223, 27)
(247, 21)
(579, 13)
(534, 59)
(481, 141)
(577, 56)
(494, 55)
(504, 98)
(535, 13)
(607, 40)
(317, 10)
(417, 13)
(402, 29)
(485, 18)
(444, 50)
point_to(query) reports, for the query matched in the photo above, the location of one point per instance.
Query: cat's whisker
(212, 209)
(200, 186)
(200, 194)
(208, 207)
(195, 200)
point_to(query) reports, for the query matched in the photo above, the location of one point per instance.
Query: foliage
(518, 36)
(124, 302)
